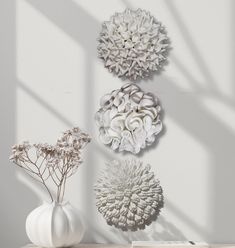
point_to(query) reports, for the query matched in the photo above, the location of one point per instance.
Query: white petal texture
(128, 119)
(133, 44)
(128, 195)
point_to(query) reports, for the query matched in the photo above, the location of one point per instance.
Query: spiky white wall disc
(133, 44)
(128, 119)
(128, 195)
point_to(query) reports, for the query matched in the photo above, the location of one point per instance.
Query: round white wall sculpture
(54, 225)
(133, 44)
(128, 119)
(128, 195)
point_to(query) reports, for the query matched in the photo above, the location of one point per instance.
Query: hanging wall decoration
(128, 195)
(133, 44)
(128, 119)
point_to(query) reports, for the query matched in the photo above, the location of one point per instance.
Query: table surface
(152, 245)
(87, 246)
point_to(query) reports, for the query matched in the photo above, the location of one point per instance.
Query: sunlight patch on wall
(199, 44)
(223, 112)
(49, 62)
(35, 122)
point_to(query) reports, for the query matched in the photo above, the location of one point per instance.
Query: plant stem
(48, 190)
(63, 189)
(40, 175)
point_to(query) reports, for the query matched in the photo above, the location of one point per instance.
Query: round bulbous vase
(55, 225)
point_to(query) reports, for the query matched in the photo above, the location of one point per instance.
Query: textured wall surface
(51, 79)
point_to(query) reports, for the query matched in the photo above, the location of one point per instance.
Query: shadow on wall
(16, 199)
(187, 112)
(160, 230)
(193, 116)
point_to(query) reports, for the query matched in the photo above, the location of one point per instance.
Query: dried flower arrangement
(56, 162)
(133, 44)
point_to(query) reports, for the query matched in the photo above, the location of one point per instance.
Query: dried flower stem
(57, 163)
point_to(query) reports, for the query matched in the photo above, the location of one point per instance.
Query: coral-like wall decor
(128, 119)
(133, 44)
(128, 195)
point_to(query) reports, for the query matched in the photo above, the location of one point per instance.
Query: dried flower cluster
(128, 119)
(55, 162)
(128, 195)
(133, 44)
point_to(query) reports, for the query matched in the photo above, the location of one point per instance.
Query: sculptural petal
(131, 121)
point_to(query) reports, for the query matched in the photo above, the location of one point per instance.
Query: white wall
(51, 79)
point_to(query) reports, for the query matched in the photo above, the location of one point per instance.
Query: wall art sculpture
(128, 119)
(128, 195)
(133, 44)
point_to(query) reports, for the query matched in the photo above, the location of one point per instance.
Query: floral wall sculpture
(128, 119)
(128, 195)
(133, 44)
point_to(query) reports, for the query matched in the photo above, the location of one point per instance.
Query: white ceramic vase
(55, 225)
